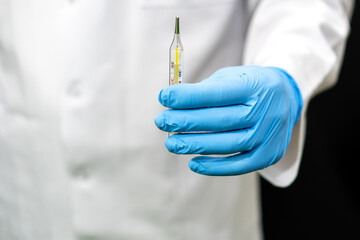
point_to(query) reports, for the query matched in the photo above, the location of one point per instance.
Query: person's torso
(80, 156)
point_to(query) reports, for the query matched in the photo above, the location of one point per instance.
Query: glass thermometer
(176, 58)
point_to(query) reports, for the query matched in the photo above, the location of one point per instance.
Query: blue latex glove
(246, 111)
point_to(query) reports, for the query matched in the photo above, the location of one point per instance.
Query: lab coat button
(74, 89)
(81, 174)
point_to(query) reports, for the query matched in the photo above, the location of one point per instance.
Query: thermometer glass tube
(176, 58)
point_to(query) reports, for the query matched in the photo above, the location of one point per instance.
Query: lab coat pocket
(180, 3)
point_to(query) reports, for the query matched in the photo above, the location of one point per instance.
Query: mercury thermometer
(176, 58)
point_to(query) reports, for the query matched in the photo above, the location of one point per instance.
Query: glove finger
(213, 143)
(207, 119)
(205, 94)
(231, 165)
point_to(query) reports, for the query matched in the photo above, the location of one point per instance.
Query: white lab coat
(80, 156)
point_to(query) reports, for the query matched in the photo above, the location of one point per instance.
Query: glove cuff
(298, 100)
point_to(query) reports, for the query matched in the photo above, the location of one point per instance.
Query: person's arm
(248, 114)
(307, 39)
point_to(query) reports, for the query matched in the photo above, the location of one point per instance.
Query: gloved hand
(246, 111)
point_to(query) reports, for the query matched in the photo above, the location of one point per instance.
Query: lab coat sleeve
(306, 38)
